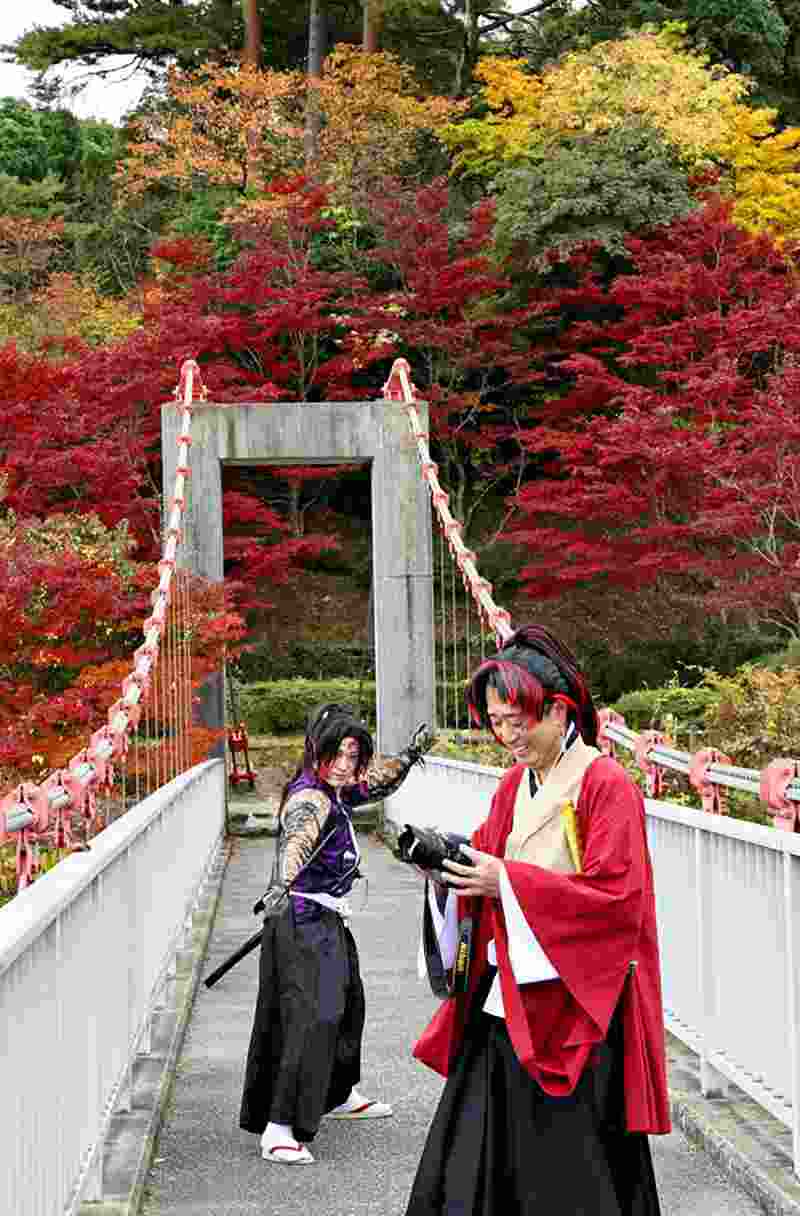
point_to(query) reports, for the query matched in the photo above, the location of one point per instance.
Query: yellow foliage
(765, 172)
(68, 307)
(85, 535)
(225, 125)
(373, 112)
(643, 76)
(700, 110)
(237, 127)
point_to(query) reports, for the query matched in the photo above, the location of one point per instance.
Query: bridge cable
(31, 810)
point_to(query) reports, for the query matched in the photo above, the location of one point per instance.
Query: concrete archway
(374, 432)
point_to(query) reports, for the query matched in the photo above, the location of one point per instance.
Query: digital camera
(429, 848)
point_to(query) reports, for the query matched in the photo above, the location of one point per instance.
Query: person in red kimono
(554, 1053)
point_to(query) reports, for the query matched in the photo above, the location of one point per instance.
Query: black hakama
(305, 1048)
(500, 1146)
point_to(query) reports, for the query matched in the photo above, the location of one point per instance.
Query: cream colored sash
(537, 835)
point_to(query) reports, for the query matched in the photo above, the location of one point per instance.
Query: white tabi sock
(278, 1133)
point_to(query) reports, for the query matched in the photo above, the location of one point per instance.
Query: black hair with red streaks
(327, 727)
(532, 670)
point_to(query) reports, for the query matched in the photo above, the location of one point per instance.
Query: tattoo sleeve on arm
(301, 823)
(386, 774)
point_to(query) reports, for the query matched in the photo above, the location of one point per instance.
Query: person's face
(536, 744)
(341, 770)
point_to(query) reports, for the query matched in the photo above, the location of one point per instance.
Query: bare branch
(510, 18)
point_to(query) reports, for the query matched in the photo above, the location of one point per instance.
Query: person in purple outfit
(304, 1060)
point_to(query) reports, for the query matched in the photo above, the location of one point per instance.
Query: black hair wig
(327, 727)
(533, 669)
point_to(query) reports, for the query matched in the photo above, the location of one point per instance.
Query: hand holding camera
(428, 848)
(449, 858)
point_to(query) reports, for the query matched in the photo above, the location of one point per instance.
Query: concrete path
(206, 1166)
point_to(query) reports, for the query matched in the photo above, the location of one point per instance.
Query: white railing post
(791, 891)
(712, 1083)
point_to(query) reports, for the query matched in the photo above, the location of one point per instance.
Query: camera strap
(450, 981)
(459, 974)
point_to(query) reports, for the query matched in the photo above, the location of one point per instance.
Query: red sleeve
(589, 924)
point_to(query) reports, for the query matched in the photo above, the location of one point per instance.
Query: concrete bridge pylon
(330, 433)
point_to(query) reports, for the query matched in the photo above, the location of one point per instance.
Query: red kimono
(598, 928)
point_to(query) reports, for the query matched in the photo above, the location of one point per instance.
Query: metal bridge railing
(158, 687)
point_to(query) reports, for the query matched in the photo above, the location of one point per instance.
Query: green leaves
(594, 189)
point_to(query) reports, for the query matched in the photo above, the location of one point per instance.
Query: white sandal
(359, 1107)
(288, 1154)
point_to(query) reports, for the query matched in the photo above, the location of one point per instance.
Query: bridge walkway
(204, 1164)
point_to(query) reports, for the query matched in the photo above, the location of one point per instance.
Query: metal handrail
(728, 776)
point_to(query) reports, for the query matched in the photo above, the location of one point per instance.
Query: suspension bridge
(100, 957)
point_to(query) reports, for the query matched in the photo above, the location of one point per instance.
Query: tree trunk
(373, 18)
(317, 46)
(296, 520)
(252, 33)
(789, 12)
(469, 51)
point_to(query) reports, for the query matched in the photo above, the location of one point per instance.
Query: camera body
(429, 848)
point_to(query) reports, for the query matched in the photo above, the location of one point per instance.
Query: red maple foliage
(468, 348)
(675, 449)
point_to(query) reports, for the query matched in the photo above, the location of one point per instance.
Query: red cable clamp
(148, 651)
(31, 798)
(183, 470)
(134, 681)
(103, 763)
(132, 712)
(35, 798)
(393, 389)
(606, 718)
(188, 365)
(712, 795)
(500, 616)
(80, 787)
(775, 779)
(27, 861)
(157, 619)
(17, 803)
(430, 469)
(63, 830)
(653, 773)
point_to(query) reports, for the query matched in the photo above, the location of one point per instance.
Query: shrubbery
(753, 715)
(650, 665)
(304, 660)
(648, 708)
(275, 707)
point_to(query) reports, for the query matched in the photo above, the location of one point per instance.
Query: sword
(252, 942)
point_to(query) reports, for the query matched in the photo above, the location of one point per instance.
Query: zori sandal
(359, 1107)
(288, 1154)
